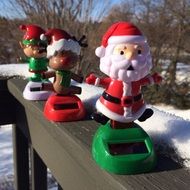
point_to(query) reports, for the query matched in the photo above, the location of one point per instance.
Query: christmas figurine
(63, 53)
(35, 50)
(120, 145)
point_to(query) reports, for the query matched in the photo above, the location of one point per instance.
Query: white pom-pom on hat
(43, 37)
(32, 31)
(100, 51)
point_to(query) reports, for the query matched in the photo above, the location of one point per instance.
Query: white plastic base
(32, 91)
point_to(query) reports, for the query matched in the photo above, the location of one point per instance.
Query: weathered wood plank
(8, 104)
(66, 149)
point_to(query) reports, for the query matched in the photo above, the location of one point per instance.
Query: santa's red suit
(123, 102)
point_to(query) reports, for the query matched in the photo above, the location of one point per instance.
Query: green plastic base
(123, 151)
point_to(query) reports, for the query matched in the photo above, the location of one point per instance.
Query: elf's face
(126, 62)
(64, 60)
(35, 51)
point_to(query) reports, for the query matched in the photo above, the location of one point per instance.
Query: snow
(15, 69)
(185, 114)
(6, 158)
(183, 70)
(170, 132)
(6, 161)
(168, 127)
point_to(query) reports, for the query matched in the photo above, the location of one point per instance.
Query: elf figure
(35, 50)
(63, 52)
(120, 145)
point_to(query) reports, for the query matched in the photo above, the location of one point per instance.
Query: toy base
(64, 108)
(32, 91)
(123, 151)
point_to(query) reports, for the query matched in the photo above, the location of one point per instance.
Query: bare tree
(75, 16)
(181, 25)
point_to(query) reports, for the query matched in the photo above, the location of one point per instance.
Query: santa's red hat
(32, 34)
(118, 33)
(59, 40)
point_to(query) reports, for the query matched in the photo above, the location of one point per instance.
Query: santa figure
(125, 57)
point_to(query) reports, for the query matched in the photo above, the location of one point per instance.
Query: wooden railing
(65, 148)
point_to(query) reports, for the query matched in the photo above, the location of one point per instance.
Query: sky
(7, 10)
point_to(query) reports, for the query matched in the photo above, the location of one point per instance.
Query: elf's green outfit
(65, 78)
(37, 66)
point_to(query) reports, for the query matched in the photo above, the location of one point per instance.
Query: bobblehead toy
(63, 53)
(120, 145)
(35, 50)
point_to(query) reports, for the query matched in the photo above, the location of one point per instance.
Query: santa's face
(126, 62)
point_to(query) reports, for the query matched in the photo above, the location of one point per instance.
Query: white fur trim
(100, 51)
(63, 44)
(121, 118)
(97, 81)
(127, 88)
(43, 37)
(127, 112)
(126, 39)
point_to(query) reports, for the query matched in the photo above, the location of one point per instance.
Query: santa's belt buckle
(127, 101)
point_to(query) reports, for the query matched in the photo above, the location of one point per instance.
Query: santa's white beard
(115, 66)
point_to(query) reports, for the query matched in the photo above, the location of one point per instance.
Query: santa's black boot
(146, 114)
(100, 118)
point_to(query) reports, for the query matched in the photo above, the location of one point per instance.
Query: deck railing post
(21, 160)
(38, 171)
(59, 187)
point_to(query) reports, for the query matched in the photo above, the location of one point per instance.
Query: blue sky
(7, 10)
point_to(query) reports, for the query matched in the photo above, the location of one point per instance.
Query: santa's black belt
(126, 100)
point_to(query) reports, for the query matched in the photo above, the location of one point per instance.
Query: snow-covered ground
(6, 161)
(185, 114)
(15, 69)
(168, 127)
(183, 70)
